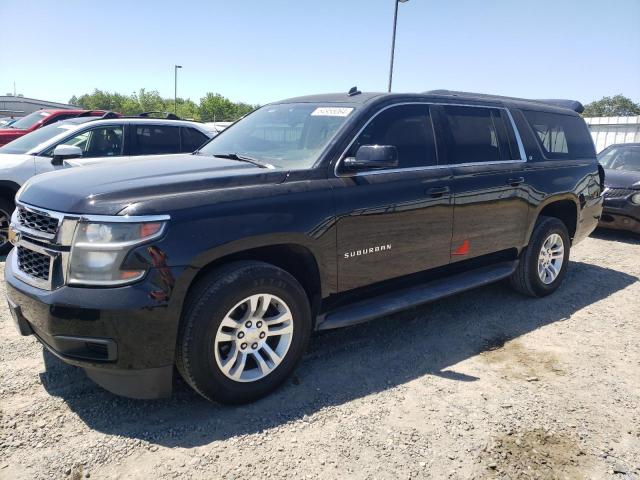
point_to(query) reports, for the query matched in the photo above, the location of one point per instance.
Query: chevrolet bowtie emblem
(14, 235)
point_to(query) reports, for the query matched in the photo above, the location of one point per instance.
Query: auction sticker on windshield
(331, 112)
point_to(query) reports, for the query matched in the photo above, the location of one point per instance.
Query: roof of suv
(360, 98)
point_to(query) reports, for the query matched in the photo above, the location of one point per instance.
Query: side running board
(393, 302)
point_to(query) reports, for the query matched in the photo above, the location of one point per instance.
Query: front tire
(6, 210)
(543, 264)
(244, 329)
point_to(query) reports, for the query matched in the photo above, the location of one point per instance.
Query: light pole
(393, 39)
(175, 88)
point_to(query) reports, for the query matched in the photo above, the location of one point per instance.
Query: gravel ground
(487, 384)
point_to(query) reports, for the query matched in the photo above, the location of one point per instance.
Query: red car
(38, 119)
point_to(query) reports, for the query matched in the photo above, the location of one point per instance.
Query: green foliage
(617, 106)
(213, 106)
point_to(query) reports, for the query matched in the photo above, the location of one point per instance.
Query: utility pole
(393, 39)
(175, 88)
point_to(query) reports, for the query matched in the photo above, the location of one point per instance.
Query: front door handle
(437, 191)
(514, 182)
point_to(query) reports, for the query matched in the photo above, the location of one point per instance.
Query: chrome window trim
(523, 158)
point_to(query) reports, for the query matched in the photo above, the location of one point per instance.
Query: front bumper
(620, 214)
(123, 337)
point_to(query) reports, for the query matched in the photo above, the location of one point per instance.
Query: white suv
(88, 140)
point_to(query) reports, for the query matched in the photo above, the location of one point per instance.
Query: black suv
(309, 214)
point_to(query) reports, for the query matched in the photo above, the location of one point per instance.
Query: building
(609, 130)
(19, 106)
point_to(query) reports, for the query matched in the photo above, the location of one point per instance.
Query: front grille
(38, 221)
(618, 192)
(33, 263)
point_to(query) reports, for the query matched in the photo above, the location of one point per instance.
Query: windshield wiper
(243, 158)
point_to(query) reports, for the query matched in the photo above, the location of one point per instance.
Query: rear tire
(6, 210)
(543, 264)
(244, 328)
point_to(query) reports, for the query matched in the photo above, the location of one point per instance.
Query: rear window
(561, 136)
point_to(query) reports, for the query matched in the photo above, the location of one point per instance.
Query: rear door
(489, 180)
(394, 222)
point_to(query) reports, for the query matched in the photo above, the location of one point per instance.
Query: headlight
(635, 198)
(98, 250)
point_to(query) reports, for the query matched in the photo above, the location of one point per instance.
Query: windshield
(30, 120)
(621, 158)
(290, 136)
(32, 140)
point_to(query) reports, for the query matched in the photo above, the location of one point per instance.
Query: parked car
(6, 121)
(85, 141)
(39, 119)
(622, 181)
(308, 214)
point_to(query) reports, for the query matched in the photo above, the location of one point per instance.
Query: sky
(259, 51)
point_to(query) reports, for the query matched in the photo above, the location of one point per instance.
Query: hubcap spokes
(253, 338)
(4, 228)
(551, 258)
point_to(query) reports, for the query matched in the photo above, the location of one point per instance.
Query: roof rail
(167, 115)
(568, 104)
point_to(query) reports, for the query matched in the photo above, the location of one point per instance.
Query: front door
(97, 144)
(491, 206)
(398, 221)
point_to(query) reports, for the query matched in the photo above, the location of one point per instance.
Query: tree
(213, 106)
(617, 106)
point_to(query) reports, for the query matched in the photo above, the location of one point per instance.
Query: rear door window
(155, 139)
(191, 139)
(476, 135)
(561, 136)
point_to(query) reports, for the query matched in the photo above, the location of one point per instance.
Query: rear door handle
(437, 191)
(514, 182)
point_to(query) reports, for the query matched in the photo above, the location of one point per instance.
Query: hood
(9, 134)
(9, 161)
(109, 187)
(621, 179)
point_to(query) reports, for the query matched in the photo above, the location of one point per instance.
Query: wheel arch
(8, 189)
(565, 208)
(296, 258)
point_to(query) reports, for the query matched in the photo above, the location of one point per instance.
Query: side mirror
(64, 152)
(373, 156)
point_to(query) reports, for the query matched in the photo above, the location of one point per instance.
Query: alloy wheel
(550, 258)
(5, 219)
(253, 338)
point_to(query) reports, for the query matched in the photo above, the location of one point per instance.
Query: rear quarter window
(561, 136)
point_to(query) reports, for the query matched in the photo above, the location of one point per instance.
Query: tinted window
(406, 127)
(192, 139)
(98, 142)
(155, 139)
(473, 135)
(561, 136)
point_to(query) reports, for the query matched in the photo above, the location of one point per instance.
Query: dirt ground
(487, 384)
